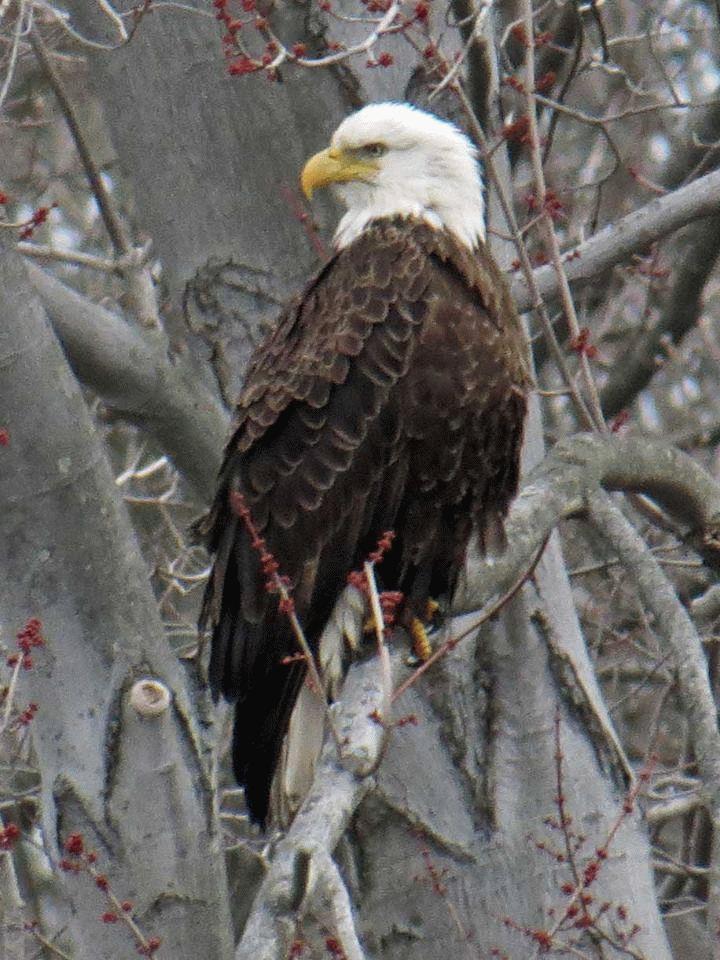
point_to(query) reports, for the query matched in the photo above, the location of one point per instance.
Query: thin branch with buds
(548, 231)
(618, 241)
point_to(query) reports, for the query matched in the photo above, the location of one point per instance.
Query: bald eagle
(390, 396)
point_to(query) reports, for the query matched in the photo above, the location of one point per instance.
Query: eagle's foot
(421, 645)
(420, 628)
(432, 608)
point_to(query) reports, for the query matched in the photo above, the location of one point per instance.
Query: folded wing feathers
(392, 389)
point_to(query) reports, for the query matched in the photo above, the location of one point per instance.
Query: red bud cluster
(243, 65)
(619, 421)
(384, 60)
(30, 636)
(409, 719)
(582, 346)
(518, 131)
(26, 716)
(421, 11)
(9, 835)
(546, 82)
(74, 845)
(36, 220)
(390, 600)
(335, 948)
(514, 84)
(274, 582)
(383, 546)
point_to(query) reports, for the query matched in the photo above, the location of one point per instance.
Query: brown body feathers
(390, 396)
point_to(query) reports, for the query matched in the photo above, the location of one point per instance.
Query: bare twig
(77, 258)
(379, 623)
(591, 395)
(308, 656)
(113, 224)
(14, 50)
(140, 282)
(10, 696)
(675, 807)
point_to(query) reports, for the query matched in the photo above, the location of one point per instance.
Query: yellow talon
(431, 608)
(422, 648)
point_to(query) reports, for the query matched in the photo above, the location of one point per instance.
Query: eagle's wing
(330, 429)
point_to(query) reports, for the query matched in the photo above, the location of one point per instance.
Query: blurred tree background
(552, 785)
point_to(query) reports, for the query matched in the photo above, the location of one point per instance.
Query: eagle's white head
(391, 159)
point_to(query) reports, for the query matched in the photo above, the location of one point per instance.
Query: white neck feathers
(429, 170)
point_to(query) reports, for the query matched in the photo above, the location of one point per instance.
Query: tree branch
(39, 251)
(637, 230)
(674, 626)
(140, 283)
(132, 373)
(299, 865)
(562, 486)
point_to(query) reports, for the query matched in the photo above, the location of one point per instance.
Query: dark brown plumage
(391, 395)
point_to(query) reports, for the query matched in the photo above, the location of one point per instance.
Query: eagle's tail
(248, 663)
(262, 717)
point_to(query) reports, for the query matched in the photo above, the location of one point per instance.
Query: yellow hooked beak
(334, 166)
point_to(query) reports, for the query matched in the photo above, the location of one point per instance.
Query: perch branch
(76, 258)
(299, 864)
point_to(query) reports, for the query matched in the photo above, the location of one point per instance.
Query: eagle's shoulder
(478, 270)
(382, 277)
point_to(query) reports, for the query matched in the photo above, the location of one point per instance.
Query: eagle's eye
(374, 149)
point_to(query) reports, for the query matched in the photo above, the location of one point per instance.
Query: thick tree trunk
(137, 788)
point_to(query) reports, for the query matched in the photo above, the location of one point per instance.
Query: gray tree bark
(448, 853)
(137, 788)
